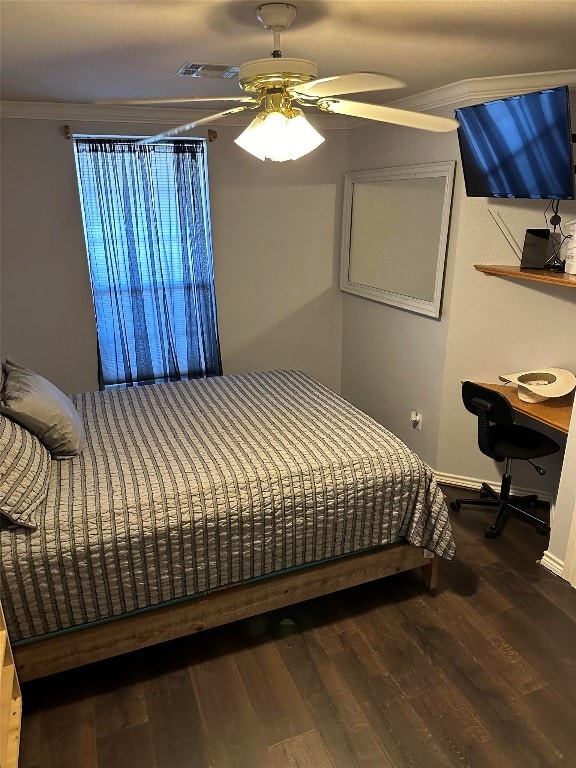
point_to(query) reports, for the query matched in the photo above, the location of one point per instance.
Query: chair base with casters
(502, 440)
(507, 506)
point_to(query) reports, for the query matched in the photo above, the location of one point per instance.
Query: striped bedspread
(193, 486)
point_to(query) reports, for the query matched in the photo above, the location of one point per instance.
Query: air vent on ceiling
(207, 70)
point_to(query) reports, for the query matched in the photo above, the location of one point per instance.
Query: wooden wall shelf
(541, 275)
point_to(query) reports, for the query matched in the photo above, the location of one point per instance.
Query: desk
(555, 412)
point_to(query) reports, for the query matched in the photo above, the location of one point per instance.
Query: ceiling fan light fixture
(279, 136)
(280, 132)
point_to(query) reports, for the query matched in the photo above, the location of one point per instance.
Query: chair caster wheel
(483, 493)
(543, 529)
(490, 534)
(455, 505)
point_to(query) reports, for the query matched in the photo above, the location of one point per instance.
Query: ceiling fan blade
(201, 121)
(178, 100)
(385, 114)
(355, 82)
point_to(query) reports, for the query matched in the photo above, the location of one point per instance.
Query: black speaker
(540, 247)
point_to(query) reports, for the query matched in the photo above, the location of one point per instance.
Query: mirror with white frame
(395, 234)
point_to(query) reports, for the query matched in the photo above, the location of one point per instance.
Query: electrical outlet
(416, 419)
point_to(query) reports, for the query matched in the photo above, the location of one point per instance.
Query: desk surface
(555, 412)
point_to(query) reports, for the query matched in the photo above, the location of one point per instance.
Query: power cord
(555, 263)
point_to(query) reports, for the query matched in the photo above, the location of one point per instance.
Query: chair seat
(502, 439)
(517, 442)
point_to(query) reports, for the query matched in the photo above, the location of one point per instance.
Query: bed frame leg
(430, 571)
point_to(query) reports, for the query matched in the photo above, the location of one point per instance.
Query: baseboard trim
(474, 484)
(457, 481)
(548, 561)
(552, 563)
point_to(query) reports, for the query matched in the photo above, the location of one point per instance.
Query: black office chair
(502, 440)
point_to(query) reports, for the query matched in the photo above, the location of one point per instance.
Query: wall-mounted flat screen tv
(520, 146)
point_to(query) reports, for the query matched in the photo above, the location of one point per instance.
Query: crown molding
(484, 88)
(473, 90)
(116, 113)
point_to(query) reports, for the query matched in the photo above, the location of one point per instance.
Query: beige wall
(46, 303)
(395, 361)
(275, 236)
(500, 326)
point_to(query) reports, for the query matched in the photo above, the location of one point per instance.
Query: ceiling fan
(275, 83)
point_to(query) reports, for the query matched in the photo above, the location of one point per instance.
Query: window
(146, 221)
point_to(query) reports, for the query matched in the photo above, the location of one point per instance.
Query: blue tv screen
(520, 146)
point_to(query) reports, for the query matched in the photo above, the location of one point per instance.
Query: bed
(196, 503)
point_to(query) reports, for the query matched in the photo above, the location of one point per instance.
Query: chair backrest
(499, 410)
(491, 408)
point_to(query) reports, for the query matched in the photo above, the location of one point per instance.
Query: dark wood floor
(385, 675)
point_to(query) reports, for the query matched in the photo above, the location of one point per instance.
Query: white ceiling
(81, 51)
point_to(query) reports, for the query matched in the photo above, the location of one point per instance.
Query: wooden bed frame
(101, 641)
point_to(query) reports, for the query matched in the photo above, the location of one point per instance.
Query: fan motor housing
(260, 74)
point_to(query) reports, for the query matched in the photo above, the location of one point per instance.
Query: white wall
(275, 236)
(561, 558)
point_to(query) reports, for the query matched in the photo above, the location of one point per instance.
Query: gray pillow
(39, 406)
(24, 474)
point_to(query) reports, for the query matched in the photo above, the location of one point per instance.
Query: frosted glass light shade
(278, 137)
